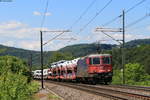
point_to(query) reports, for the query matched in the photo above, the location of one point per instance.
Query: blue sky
(20, 22)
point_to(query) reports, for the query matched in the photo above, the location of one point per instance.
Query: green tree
(134, 75)
(139, 54)
(117, 77)
(135, 72)
(12, 64)
(14, 84)
(13, 87)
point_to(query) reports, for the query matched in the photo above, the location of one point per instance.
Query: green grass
(53, 97)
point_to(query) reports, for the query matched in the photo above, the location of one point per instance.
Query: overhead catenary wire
(81, 16)
(134, 6)
(139, 27)
(99, 12)
(138, 20)
(92, 19)
(109, 22)
(53, 38)
(84, 12)
(114, 19)
(128, 10)
(44, 15)
(111, 37)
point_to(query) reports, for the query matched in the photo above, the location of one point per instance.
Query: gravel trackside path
(72, 94)
(46, 94)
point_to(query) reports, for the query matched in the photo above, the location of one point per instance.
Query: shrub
(14, 84)
(134, 75)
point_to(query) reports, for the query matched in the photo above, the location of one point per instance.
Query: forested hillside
(138, 54)
(137, 42)
(75, 50)
(135, 52)
(21, 53)
(80, 50)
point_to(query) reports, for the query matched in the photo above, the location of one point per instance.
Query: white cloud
(48, 14)
(31, 45)
(117, 36)
(11, 25)
(18, 30)
(22, 36)
(35, 45)
(148, 27)
(9, 43)
(19, 35)
(36, 13)
(14, 33)
(55, 45)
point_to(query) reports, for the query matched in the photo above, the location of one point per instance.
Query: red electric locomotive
(95, 68)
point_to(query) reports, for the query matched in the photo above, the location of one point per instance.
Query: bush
(117, 78)
(134, 75)
(14, 84)
(12, 64)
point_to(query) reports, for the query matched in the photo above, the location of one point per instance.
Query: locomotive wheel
(77, 80)
(59, 80)
(93, 81)
(106, 83)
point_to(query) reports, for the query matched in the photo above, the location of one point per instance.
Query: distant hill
(135, 43)
(21, 53)
(77, 50)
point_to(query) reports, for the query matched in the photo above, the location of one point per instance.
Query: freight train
(94, 68)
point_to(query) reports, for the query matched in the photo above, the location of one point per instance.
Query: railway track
(107, 91)
(127, 88)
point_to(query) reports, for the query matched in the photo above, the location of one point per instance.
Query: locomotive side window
(54, 73)
(62, 72)
(90, 61)
(96, 60)
(69, 71)
(106, 60)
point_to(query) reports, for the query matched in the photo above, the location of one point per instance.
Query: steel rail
(130, 87)
(88, 90)
(123, 93)
(109, 93)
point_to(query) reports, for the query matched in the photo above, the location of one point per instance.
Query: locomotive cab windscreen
(99, 60)
(94, 61)
(99, 63)
(106, 60)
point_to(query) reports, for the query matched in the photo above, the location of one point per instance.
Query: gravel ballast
(72, 94)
